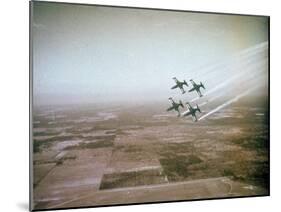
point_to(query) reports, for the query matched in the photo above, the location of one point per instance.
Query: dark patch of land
(90, 150)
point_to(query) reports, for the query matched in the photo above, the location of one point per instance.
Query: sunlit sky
(91, 53)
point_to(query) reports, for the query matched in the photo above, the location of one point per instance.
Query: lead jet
(179, 84)
(175, 106)
(196, 87)
(191, 111)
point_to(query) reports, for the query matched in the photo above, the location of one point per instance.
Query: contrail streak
(221, 94)
(228, 102)
(219, 86)
(244, 54)
(210, 100)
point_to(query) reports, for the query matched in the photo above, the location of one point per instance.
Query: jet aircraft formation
(190, 110)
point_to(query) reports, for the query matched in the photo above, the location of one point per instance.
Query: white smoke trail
(228, 81)
(242, 55)
(257, 78)
(210, 100)
(228, 102)
(248, 52)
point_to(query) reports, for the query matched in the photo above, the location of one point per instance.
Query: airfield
(91, 155)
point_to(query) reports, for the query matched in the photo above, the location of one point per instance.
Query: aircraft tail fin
(198, 108)
(202, 85)
(181, 104)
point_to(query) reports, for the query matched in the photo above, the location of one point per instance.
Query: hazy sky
(96, 53)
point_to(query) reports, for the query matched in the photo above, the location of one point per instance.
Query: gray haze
(89, 53)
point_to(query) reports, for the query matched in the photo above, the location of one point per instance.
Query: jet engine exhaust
(228, 103)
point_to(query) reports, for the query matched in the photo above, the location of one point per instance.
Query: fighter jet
(175, 106)
(179, 84)
(196, 87)
(191, 111)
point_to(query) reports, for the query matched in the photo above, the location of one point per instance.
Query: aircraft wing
(175, 86)
(192, 89)
(170, 108)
